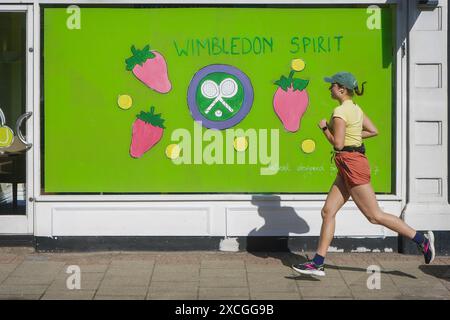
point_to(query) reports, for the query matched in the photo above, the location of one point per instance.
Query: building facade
(62, 194)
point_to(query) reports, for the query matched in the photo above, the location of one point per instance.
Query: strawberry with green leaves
(149, 67)
(291, 99)
(148, 129)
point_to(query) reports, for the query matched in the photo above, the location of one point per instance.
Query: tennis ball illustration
(308, 146)
(6, 137)
(125, 101)
(173, 151)
(297, 65)
(240, 143)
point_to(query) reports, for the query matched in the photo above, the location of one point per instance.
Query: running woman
(348, 127)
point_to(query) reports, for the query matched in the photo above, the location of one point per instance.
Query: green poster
(184, 100)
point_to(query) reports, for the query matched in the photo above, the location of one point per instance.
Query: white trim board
(215, 2)
(199, 219)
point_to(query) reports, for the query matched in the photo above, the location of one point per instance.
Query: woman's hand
(323, 123)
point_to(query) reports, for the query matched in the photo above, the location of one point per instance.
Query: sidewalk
(25, 274)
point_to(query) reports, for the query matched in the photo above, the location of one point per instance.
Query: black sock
(418, 238)
(318, 260)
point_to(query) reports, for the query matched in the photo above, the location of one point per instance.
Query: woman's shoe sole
(310, 272)
(431, 239)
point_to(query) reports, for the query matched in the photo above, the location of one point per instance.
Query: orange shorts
(353, 167)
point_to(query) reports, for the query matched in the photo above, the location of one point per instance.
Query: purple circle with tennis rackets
(246, 104)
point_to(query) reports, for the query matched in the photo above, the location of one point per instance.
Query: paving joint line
(103, 278)
(150, 280)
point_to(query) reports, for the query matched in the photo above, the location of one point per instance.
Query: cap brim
(327, 79)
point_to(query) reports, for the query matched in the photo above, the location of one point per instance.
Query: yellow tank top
(353, 116)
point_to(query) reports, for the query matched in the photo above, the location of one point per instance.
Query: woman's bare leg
(365, 199)
(336, 198)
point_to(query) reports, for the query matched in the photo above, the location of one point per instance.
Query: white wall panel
(429, 20)
(428, 133)
(428, 75)
(192, 219)
(429, 187)
(427, 206)
(127, 219)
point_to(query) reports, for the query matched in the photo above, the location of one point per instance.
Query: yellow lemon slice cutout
(298, 64)
(6, 137)
(173, 151)
(240, 144)
(125, 101)
(308, 146)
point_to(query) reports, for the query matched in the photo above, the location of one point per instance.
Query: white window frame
(400, 96)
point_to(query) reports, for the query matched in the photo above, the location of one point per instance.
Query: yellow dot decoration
(125, 101)
(173, 151)
(6, 137)
(298, 64)
(240, 143)
(308, 146)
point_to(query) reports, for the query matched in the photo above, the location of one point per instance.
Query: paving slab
(125, 272)
(29, 280)
(84, 276)
(223, 264)
(224, 282)
(433, 292)
(417, 283)
(22, 289)
(8, 267)
(223, 293)
(118, 297)
(250, 267)
(275, 295)
(85, 284)
(191, 268)
(176, 276)
(85, 268)
(366, 294)
(332, 292)
(37, 268)
(69, 295)
(117, 281)
(20, 296)
(446, 284)
(172, 296)
(173, 287)
(322, 282)
(223, 273)
(8, 258)
(122, 291)
(272, 285)
(217, 275)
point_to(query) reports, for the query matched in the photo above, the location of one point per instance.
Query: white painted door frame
(23, 224)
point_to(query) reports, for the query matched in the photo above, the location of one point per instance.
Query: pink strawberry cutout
(291, 101)
(150, 67)
(147, 130)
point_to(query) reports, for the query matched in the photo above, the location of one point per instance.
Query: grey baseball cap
(345, 79)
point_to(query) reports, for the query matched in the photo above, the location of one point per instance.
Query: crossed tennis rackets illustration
(226, 89)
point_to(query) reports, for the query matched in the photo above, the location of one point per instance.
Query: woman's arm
(336, 139)
(369, 129)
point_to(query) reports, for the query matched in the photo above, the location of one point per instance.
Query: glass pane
(12, 105)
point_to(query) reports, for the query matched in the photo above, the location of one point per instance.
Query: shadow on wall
(272, 238)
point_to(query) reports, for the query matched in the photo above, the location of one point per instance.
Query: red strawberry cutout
(148, 129)
(150, 67)
(291, 99)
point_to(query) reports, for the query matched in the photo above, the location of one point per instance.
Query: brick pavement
(25, 274)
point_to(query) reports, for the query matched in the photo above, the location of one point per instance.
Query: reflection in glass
(12, 104)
